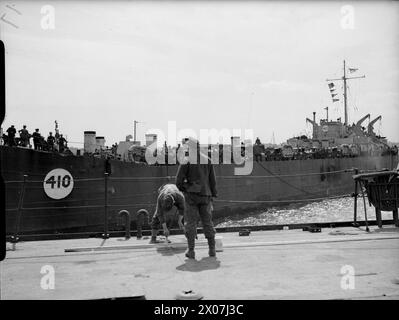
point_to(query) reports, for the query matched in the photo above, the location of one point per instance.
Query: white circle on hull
(58, 184)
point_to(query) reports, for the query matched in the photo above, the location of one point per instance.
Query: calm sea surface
(324, 211)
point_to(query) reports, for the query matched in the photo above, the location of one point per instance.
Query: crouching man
(169, 196)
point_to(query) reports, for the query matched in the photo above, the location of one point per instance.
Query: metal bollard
(141, 214)
(127, 222)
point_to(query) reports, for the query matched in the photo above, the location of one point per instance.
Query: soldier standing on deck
(11, 135)
(62, 143)
(51, 141)
(24, 136)
(198, 183)
(36, 139)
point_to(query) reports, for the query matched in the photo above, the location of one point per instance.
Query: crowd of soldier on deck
(56, 143)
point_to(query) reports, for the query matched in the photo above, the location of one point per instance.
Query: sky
(261, 65)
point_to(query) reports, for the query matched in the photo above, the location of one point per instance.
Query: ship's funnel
(150, 138)
(89, 142)
(235, 140)
(100, 143)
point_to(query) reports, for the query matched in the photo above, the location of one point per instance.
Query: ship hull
(134, 186)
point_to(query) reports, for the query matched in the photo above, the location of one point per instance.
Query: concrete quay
(337, 263)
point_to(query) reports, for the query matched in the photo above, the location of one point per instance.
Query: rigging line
(139, 178)
(240, 189)
(88, 206)
(220, 185)
(64, 207)
(238, 183)
(41, 181)
(289, 175)
(234, 192)
(285, 182)
(111, 198)
(134, 205)
(98, 188)
(86, 200)
(19, 172)
(221, 177)
(13, 181)
(216, 200)
(237, 202)
(288, 200)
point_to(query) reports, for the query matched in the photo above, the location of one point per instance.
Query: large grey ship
(53, 192)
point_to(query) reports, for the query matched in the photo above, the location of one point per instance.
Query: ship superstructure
(337, 134)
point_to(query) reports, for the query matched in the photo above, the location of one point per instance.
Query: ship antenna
(56, 127)
(345, 78)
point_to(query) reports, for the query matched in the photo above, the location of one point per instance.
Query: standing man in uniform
(11, 135)
(36, 139)
(24, 136)
(51, 141)
(168, 197)
(62, 143)
(198, 183)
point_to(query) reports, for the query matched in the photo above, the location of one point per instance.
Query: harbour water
(331, 210)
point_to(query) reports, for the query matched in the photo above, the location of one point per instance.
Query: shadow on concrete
(207, 263)
(387, 230)
(354, 232)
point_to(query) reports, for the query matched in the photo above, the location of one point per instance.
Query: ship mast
(135, 129)
(345, 78)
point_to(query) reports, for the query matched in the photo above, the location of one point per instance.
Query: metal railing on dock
(382, 189)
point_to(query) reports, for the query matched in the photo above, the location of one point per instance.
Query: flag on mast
(352, 70)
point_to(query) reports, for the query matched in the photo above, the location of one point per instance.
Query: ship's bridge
(328, 130)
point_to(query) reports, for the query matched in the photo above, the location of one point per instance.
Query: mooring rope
(221, 177)
(282, 201)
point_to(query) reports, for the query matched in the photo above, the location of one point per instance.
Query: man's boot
(154, 236)
(212, 249)
(190, 252)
